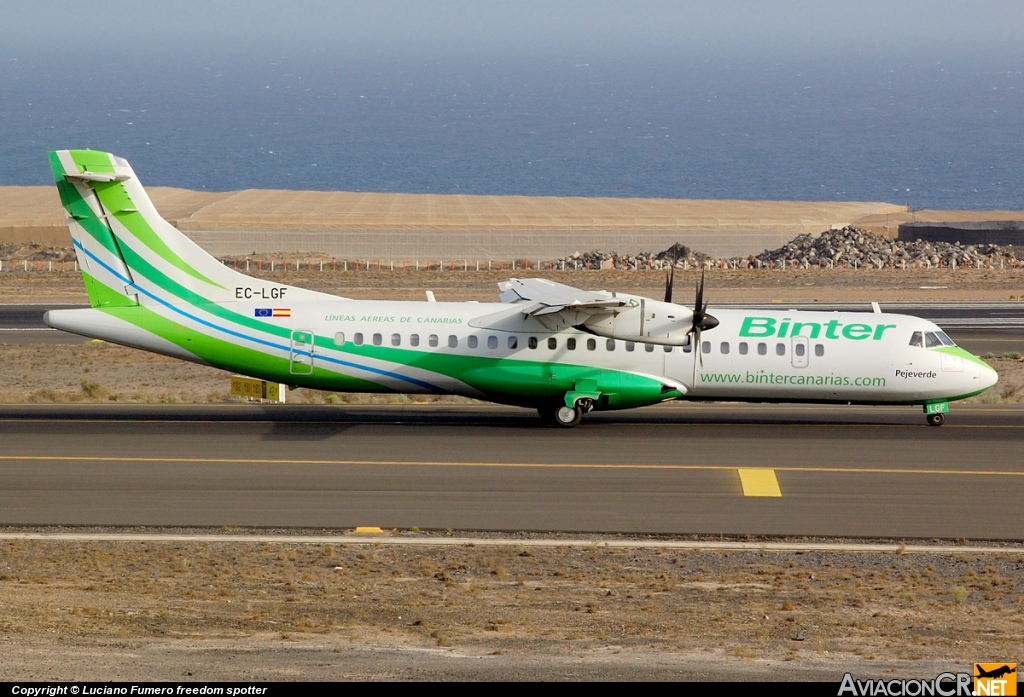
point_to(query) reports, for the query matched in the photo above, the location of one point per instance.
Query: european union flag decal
(264, 312)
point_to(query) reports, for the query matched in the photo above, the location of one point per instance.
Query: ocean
(897, 125)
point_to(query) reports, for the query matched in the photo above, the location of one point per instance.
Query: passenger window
(532, 342)
(648, 348)
(453, 341)
(357, 339)
(432, 340)
(724, 347)
(378, 339)
(945, 339)
(762, 349)
(570, 344)
(472, 342)
(705, 347)
(780, 349)
(414, 340)
(396, 339)
(917, 339)
(552, 343)
(819, 350)
(630, 345)
(687, 348)
(743, 348)
(591, 344)
(667, 349)
(931, 341)
(492, 342)
(800, 350)
(610, 344)
(339, 338)
(513, 342)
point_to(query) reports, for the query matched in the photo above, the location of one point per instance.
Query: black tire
(568, 417)
(547, 412)
(936, 419)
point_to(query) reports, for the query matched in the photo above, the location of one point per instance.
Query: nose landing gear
(936, 413)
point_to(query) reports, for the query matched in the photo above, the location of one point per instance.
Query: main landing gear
(565, 417)
(936, 419)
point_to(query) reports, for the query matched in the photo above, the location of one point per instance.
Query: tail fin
(128, 254)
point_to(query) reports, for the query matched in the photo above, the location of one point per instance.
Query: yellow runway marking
(759, 482)
(523, 465)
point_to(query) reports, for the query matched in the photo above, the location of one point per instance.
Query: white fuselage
(753, 355)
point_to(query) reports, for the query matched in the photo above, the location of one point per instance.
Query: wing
(558, 306)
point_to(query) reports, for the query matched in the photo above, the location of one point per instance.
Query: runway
(979, 327)
(839, 471)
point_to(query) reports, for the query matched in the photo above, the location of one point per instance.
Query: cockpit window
(931, 341)
(945, 339)
(917, 339)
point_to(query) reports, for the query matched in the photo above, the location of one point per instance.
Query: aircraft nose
(989, 377)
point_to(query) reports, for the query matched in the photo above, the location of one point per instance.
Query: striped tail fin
(130, 255)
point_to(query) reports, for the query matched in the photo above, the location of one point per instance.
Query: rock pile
(849, 247)
(857, 248)
(683, 255)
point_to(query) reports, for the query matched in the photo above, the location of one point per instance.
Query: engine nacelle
(648, 321)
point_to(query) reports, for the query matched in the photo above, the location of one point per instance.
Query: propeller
(702, 321)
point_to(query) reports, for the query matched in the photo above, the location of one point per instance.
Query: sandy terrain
(170, 610)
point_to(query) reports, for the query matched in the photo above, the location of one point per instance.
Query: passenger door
(302, 352)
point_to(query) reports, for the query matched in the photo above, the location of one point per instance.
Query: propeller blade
(670, 278)
(696, 345)
(697, 307)
(702, 321)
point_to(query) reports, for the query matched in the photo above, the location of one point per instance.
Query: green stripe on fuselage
(509, 380)
(966, 355)
(231, 356)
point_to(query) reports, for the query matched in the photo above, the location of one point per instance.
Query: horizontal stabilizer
(96, 177)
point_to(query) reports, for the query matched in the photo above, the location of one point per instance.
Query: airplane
(994, 673)
(557, 349)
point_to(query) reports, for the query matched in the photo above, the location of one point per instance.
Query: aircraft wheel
(936, 419)
(568, 417)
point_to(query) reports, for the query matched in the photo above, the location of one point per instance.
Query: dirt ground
(257, 611)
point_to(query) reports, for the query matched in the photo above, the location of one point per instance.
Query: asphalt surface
(979, 327)
(842, 471)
